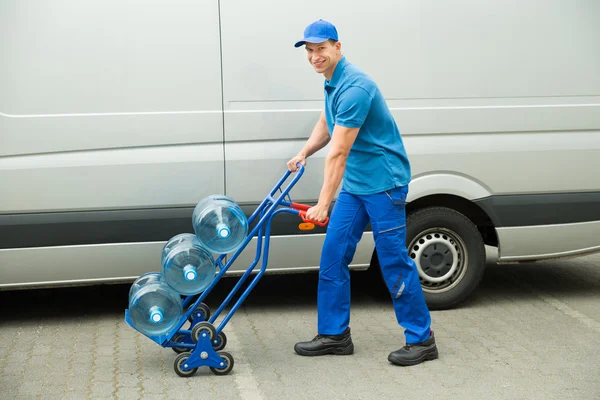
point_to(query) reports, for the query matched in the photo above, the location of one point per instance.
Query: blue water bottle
(154, 307)
(186, 265)
(220, 224)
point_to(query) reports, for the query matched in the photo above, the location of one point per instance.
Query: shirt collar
(337, 73)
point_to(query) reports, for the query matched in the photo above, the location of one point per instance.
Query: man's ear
(338, 46)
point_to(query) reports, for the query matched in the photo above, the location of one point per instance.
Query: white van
(116, 118)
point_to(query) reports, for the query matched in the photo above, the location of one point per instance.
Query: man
(368, 152)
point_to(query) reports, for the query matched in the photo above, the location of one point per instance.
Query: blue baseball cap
(317, 32)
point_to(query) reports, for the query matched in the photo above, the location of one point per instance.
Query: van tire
(456, 246)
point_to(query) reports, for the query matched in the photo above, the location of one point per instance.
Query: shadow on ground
(559, 278)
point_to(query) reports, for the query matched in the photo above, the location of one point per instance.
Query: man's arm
(351, 111)
(335, 162)
(317, 140)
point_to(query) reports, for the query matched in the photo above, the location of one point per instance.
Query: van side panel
(109, 105)
(523, 243)
(107, 110)
(115, 110)
(504, 94)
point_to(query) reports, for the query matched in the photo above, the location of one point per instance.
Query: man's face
(323, 56)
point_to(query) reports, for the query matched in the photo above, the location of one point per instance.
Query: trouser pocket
(397, 196)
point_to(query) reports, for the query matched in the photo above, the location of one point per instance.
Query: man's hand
(298, 159)
(317, 213)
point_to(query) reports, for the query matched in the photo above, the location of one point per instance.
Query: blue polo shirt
(377, 161)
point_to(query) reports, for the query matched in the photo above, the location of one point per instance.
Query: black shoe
(327, 344)
(413, 354)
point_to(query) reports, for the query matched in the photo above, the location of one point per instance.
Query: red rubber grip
(303, 216)
(303, 208)
(298, 206)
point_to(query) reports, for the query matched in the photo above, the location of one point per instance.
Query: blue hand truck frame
(202, 344)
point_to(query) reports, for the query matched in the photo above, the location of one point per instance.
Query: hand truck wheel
(225, 369)
(179, 338)
(180, 362)
(203, 327)
(202, 312)
(219, 342)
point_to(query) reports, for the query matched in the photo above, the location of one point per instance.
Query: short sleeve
(353, 106)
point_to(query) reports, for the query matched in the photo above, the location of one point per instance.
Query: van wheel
(449, 253)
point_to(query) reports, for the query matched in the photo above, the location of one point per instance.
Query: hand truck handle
(303, 208)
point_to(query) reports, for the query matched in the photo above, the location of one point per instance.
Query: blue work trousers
(348, 220)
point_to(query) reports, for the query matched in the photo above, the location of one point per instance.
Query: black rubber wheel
(178, 364)
(224, 370)
(178, 338)
(203, 327)
(449, 252)
(219, 342)
(202, 309)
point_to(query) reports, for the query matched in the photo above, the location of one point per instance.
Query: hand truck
(202, 345)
